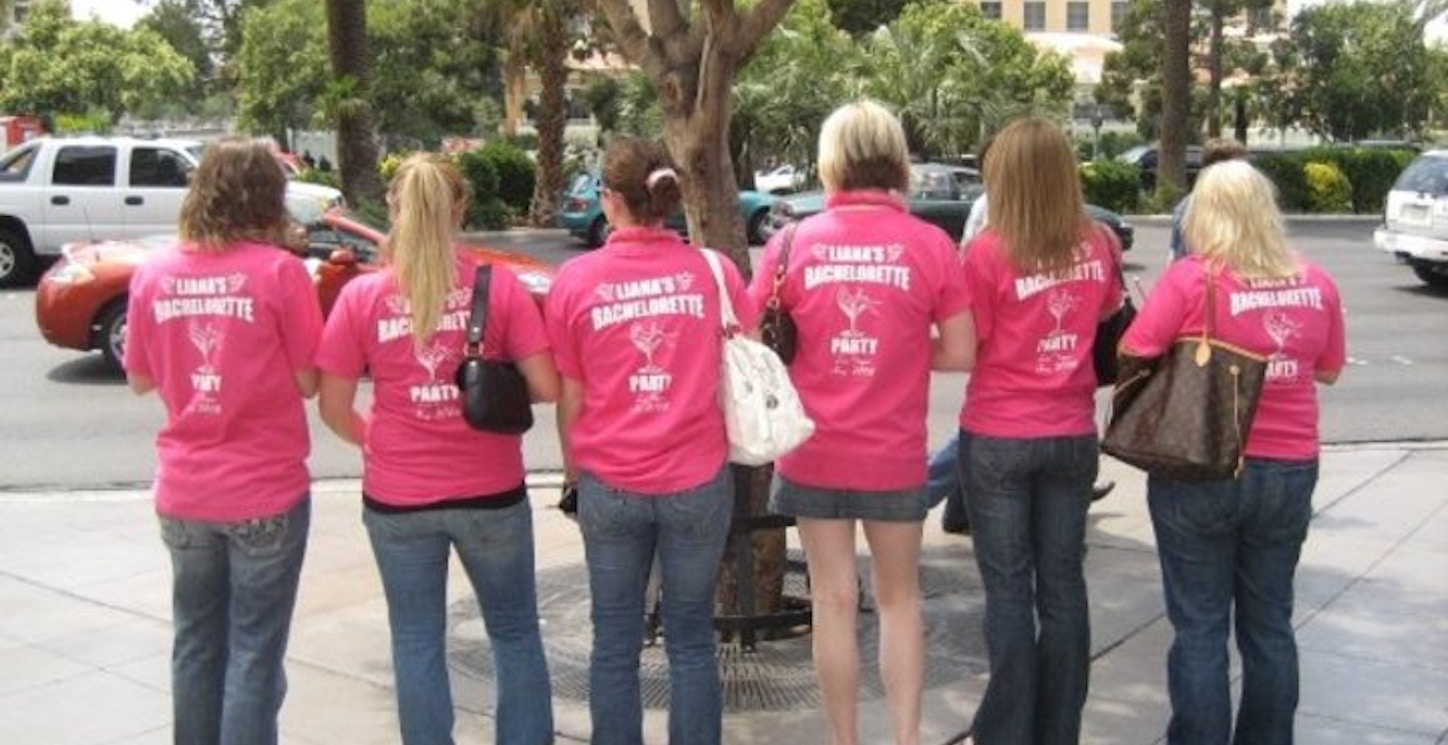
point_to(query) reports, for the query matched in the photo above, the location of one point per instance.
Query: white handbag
(763, 415)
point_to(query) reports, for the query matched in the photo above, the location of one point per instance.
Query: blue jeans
(1229, 551)
(233, 590)
(622, 534)
(495, 547)
(947, 483)
(1028, 501)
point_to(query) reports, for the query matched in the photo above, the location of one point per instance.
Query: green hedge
(486, 209)
(1328, 190)
(1112, 184)
(516, 174)
(1369, 172)
(1286, 171)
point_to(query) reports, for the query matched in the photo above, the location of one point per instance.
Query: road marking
(1401, 360)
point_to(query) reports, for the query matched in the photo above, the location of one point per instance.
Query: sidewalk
(85, 638)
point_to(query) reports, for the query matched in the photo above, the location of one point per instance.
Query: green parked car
(940, 194)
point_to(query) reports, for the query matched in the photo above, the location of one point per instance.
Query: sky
(119, 12)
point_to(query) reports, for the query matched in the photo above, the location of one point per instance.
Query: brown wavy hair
(238, 193)
(1035, 203)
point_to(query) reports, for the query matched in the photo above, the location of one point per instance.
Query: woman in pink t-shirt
(1041, 275)
(636, 327)
(879, 299)
(223, 327)
(1229, 548)
(431, 484)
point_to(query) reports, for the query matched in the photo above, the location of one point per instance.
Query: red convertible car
(80, 303)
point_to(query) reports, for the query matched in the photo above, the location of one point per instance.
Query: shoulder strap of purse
(478, 318)
(726, 307)
(781, 266)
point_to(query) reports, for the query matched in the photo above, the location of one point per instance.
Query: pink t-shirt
(637, 322)
(418, 448)
(1033, 374)
(1296, 322)
(866, 282)
(222, 333)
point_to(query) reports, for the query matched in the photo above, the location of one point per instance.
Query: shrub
(491, 214)
(1116, 143)
(318, 176)
(516, 174)
(1328, 190)
(1371, 171)
(1112, 184)
(1285, 171)
(389, 165)
(483, 202)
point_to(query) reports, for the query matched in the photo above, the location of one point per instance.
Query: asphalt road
(68, 423)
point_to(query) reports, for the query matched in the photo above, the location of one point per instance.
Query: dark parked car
(940, 195)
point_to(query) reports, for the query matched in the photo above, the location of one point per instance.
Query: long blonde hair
(1232, 221)
(1035, 195)
(426, 198)
(238, 193)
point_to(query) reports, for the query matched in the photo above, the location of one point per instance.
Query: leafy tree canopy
(59, 66)
(1359, 69)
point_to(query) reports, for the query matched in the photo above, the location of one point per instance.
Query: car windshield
(931, 183)
(16, 163)
(1426, 175)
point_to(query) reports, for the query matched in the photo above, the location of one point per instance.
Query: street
(71, 424)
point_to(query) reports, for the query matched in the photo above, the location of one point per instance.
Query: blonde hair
(1035, 195)
(1232, 221)
(237, 194)
(862, 146)
(427, 198)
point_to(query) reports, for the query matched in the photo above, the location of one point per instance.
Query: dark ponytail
(642, 172)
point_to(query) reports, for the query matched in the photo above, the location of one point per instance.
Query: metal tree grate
(777, 676)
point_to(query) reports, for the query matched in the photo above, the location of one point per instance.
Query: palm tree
(1176, 95)
(538, 34)
(351, 67)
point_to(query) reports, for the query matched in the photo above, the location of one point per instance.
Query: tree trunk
(1239, 118)
(693, 62)
(351, 66)
(1214, 73)
(515, 85)
(552, 117)
(1175, 98)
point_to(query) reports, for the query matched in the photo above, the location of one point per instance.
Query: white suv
(1415, 218)
(55, 190)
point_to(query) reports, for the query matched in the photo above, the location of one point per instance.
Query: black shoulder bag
(776, 326)
(1110, 330)
(495, 395)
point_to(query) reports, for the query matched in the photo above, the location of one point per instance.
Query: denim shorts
(895, 506)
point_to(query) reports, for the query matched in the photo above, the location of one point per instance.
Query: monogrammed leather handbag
(1186, 415)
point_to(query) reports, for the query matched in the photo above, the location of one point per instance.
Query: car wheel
(1434, 275)
(111, 333)
(598, 232)
(754, 232)
(17, 261)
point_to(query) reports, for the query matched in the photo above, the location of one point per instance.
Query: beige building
(1097, 17)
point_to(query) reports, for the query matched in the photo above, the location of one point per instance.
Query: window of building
(991, 10)
(1118, 14)
(1078, 16)
(1035, 16)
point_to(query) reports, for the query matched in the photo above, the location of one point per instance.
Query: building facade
(1098, 17)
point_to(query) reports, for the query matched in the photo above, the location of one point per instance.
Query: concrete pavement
(85, 635)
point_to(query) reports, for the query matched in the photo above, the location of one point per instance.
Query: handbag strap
(478, 317)
(728, 320)
(781, 267)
